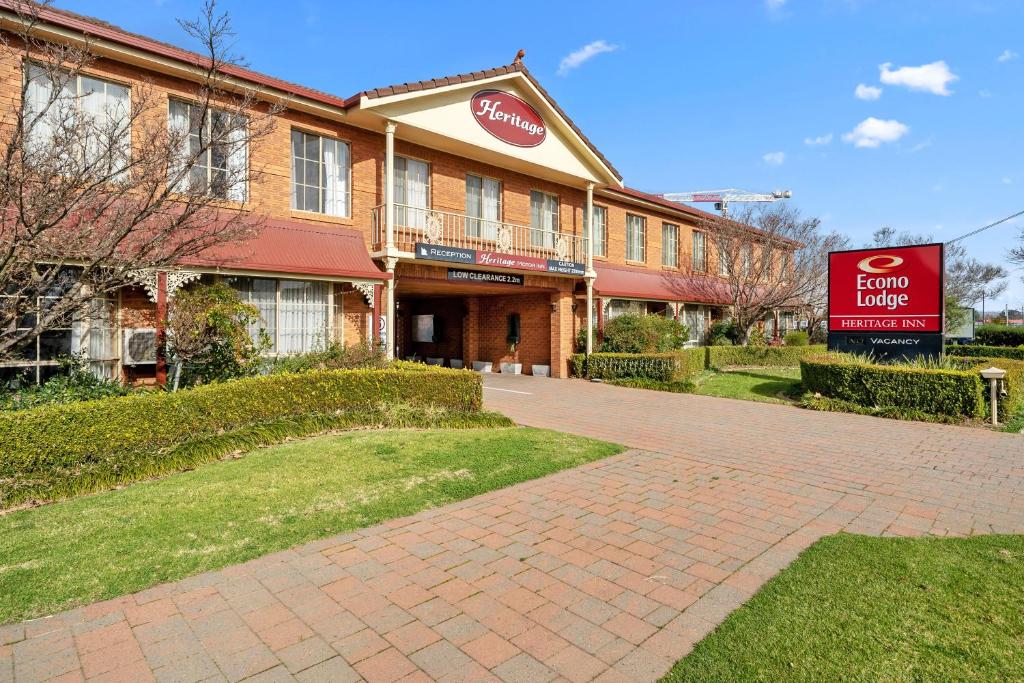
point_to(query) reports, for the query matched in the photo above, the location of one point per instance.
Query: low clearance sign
(897, 289)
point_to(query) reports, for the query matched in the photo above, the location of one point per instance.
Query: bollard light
(994, 375)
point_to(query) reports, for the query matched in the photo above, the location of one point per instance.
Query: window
(700, 256)
(670, 245)
(295, 314)
(483, 207)
(543, 219)
(617, 307)
(636, 238)
(783, 265)
(695, 318)
(100, 343)
(100, 108)
(724, 264)
(600, 235)
(412, 192)
(214, 155)
(748, 258)
(321, 175)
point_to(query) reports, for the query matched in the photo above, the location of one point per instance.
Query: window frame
(322, 186)
(210, 168)
(641, 243)
(556, 221)
(701, 265)
(666, 229)
(331, 334)
(479, 221)
(603, 242)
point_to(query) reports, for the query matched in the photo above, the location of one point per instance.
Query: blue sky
(755, 94)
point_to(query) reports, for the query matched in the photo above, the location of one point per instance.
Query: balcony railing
(415, 224)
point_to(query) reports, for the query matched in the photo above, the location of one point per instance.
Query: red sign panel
(508, 118)
(897, 289)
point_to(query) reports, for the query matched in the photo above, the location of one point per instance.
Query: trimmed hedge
(978, 350)
(760, 356)
(88, 445)
(939, 392)
(999, 335)
(680, 365)
(662, 367)
(1013, 402)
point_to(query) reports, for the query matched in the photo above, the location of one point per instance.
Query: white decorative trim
(366, 289)
(176, 279)
(433, 229)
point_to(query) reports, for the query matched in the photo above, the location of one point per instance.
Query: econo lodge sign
(508, 118)
(896, 289)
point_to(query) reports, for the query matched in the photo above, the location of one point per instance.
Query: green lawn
(95, 547)
(752, 384)
(857, 608)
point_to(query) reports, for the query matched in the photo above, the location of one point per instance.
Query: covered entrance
(516, 322)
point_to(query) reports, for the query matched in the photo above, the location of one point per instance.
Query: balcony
(415, 224)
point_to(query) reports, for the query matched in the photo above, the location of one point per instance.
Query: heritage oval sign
(508, 118)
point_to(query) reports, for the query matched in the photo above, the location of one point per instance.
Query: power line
(986, 227)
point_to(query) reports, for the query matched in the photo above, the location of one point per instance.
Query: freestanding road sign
(886, 302)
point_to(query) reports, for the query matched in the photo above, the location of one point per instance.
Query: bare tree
(766, 259)
(967, 280)
(99, 182)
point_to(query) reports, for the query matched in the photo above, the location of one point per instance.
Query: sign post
(886, 302)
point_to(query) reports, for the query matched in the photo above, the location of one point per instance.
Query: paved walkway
(610, 571)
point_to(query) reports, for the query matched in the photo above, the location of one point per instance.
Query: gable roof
(443, 81)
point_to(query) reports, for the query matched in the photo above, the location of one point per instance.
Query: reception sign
(888, 302)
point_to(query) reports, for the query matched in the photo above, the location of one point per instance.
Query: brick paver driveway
(611, 571)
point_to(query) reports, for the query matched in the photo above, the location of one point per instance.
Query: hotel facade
(464, 220)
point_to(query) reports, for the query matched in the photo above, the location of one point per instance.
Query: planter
(456, 363)
(540, 370)
(511, 368)
(435, 361)
(481, 366)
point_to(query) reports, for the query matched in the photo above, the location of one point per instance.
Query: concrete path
(610, 572)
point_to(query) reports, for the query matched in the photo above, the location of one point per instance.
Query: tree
(99, 184)
(769, 258)
(967, 280)
(208, 333)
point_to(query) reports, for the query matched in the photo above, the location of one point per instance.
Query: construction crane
(722, 198)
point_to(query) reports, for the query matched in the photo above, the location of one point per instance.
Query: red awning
(639, 283)
(283, 246)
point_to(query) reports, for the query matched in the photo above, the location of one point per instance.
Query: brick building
(463, 220)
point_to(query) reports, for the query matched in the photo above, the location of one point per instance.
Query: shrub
(722, 333)
(999, 335)
(335, 356)
(663, 367)
(74, 383)
(83, 446)
(1012, 403)
(939, 392)
(797, 338)
(977, 350)
(684, 386)
(758, 356)
(643, 334)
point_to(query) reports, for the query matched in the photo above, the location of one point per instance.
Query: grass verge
(752, 384)
(859, 608)
(95, 547)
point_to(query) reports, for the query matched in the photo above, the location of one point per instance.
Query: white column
(389, 186)
(389, 264)
(590, 274)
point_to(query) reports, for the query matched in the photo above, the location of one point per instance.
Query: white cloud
(934, 78)
(818, 141)
(774, 4)
(576, 58)
(774, 158)
(867, 92)
(984, 94)
(1007, 181)
(1007, 56)
(921, 145)
(872, 132)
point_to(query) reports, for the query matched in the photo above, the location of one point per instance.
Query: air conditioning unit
(139, 346)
